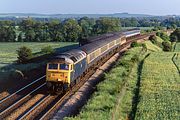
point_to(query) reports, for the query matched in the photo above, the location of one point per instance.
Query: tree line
(69, 30)
(169, 23)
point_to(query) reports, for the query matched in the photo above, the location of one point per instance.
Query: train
(67, 69)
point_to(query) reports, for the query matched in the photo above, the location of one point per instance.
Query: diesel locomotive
(66, 69)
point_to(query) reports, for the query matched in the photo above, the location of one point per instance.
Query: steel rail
(8, 97)
(19, 101)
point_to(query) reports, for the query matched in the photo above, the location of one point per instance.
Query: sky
(152, 7)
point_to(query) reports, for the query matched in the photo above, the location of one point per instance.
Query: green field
(159, 90)
(8, 50)
(8, 67)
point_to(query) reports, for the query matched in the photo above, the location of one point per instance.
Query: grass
(159, 90)
(8, 56)
(152, 47)
(8, 50)
(159, 39)
(103, 103)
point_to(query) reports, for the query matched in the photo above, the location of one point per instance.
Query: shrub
(134, 44)
(24, 54)
(153, 39)
(173, 38)
(144, 46)
(163, 36)
(166, 46)
(47, 50)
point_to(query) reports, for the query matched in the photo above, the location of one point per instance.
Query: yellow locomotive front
(58, 75)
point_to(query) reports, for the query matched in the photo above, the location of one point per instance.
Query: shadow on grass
(50, 56)
(136, 98)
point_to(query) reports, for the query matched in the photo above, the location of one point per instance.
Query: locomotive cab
(58, 75)
(58, 72)
(64, 69)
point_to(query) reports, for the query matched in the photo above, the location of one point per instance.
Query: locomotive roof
(72, 55)
(88, 48)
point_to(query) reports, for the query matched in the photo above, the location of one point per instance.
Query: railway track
(25, 105)
(9, 100)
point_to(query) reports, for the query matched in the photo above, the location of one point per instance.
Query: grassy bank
(104, 103)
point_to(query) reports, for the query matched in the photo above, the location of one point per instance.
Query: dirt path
(120, 97)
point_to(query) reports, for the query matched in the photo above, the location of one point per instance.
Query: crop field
(159, 90)
(8, 50)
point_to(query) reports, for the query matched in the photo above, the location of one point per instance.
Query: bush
(134, 44)
(47, 50)
(175, 36)
(163, 36)
(24, 53)
(153, 39)
(144, 46)
(166, 46)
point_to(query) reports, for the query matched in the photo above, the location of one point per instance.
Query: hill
(120, 15)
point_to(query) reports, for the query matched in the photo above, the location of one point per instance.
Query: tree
(87, 26)
(55, 30)
(20, 37)
(175, 36)
(24, 54)
(47, 50)
(27, 24)
(30, 35)
(166, 46)
(7, 34)
(71, 30)
(107, 25)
